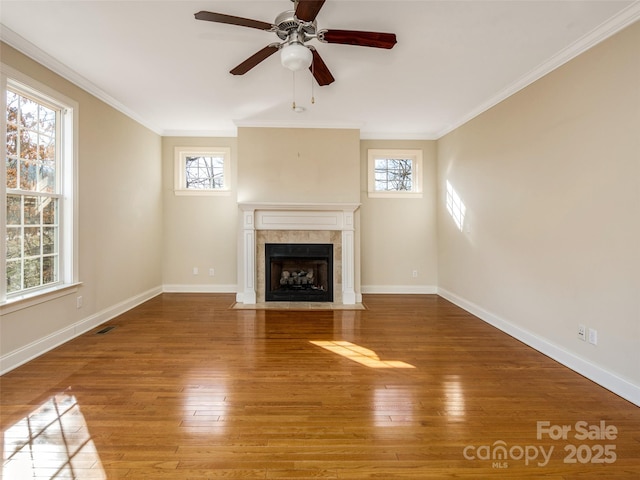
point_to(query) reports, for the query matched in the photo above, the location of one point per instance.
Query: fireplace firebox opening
(298, 272)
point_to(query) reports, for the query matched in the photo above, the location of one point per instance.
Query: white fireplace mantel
(297, 216)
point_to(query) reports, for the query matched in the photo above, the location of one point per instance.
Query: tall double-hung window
(38, 189)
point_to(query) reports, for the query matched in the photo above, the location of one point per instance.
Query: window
(395, 173)
(202, 171)
(38, 187)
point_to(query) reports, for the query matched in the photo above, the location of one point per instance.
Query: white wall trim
(307, 124)
(201, 288)
(232, 133)
(619, 21)
(24, 354)
(35, 53)
(400, 289)
(426, 135)
(622, 19)
(599, 375)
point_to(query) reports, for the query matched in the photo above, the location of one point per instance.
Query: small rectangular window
(202, 171)
(394, 173)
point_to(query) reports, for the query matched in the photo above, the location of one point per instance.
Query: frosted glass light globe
(295, 56)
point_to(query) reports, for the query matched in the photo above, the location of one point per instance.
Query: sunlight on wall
(53, 441)
(455, 206)
(361, 355)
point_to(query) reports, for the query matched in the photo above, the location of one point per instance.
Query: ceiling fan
(295, 28)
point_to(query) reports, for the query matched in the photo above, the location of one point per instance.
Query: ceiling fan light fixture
(294, 28)
(295, 56)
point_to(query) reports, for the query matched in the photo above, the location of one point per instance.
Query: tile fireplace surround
(297, 223)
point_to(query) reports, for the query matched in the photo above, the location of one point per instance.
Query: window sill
(394, 194)
(203, 193)
(29, 300)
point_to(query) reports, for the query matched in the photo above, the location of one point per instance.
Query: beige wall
(298, 165)
(199, 231)
(120, 222)
(551, 182)
(398, 235)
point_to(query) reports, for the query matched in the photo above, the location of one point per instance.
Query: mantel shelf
(329, 207)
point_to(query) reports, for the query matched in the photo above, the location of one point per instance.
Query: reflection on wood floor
(185, 387)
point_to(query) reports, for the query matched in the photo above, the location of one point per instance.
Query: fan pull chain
(293, 104)
(313, 74)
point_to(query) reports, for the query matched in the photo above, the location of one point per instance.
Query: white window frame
(180, 156)
(416, 172)
(68, 278)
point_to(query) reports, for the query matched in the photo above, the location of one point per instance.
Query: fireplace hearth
(297, 272)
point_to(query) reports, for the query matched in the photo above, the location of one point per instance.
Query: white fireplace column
(348, 259)
(297, 216)
(249, 255)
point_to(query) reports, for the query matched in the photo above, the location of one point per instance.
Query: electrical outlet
(582, 333)
(195, 270)
(414, 274)
(79, 302)
(593, 336)
(212, 272)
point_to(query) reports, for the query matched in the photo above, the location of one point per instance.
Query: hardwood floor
(413, 387)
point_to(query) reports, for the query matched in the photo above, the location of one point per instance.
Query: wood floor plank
(184, 387)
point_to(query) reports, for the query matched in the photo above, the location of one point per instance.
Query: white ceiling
(454, 59)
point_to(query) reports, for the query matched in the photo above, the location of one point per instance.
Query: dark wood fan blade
(320, 71)
(307, 10)
(355, 37)
(255, 59)
(231, 20)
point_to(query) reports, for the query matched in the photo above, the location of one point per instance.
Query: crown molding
(622, 19)
(27, 48)
(365, 135)
(305, 124)
(200, 133)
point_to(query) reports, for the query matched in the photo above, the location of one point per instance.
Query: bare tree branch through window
(394, 174)
(204, 172)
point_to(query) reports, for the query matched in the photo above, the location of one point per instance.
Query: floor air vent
(105, 330)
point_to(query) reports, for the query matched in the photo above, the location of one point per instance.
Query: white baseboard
(599, 375)
(22, 355)
(203, 288)
(400, 289)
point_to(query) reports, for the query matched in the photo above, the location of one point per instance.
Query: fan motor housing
(287, 21)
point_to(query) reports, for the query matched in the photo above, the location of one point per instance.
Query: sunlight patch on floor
(359, 354)
(53, 441)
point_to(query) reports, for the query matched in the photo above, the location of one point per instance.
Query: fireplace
(297, 223)
(298, 272)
